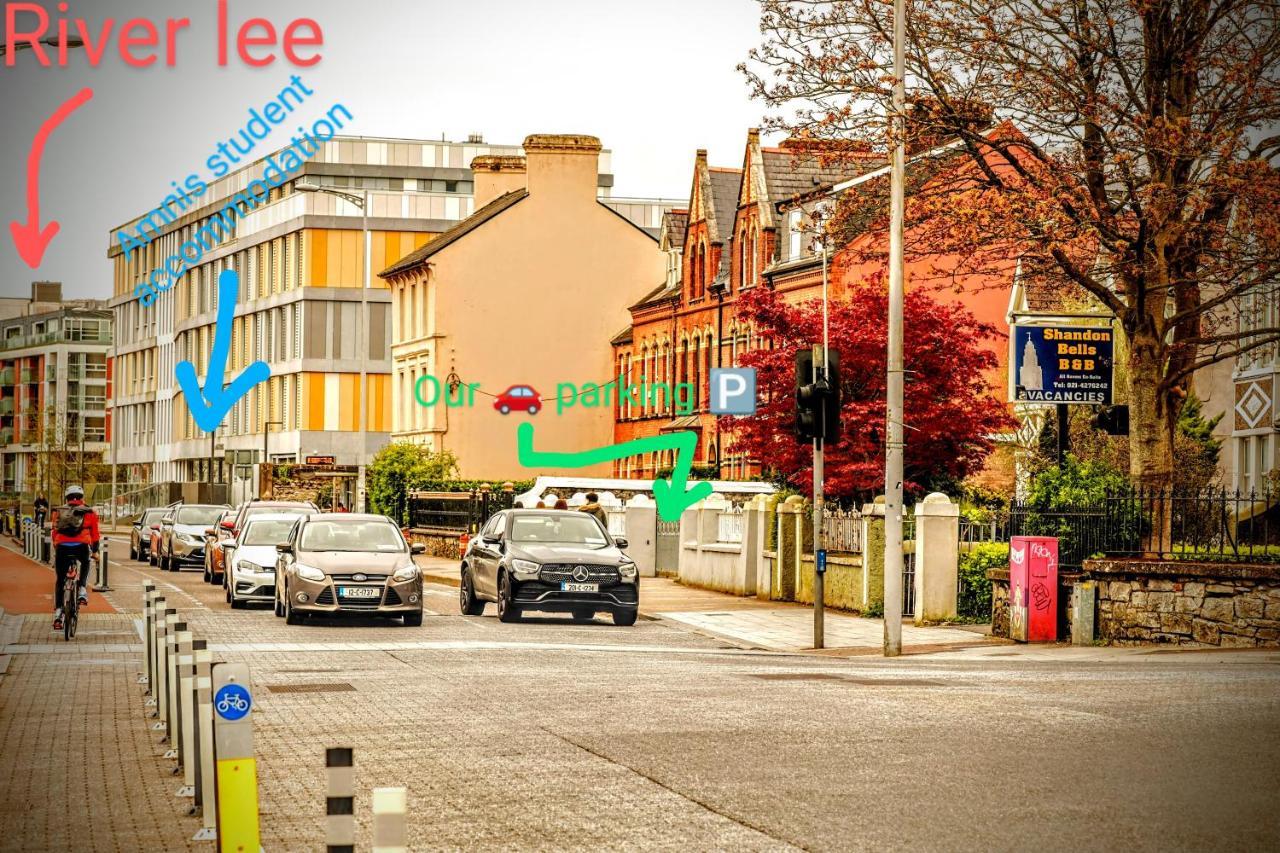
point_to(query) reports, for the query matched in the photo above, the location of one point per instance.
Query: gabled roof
(623, 337)
(659, 294)
(795, 171)
(457, 232)
(674, 225)
(725, 186)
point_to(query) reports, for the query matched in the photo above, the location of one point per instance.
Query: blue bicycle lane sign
(232, 702)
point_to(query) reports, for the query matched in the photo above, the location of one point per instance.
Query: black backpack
(71, 520)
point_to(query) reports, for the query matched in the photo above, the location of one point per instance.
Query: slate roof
(790, 172)
(623, 337)
(675, 223)
(457, 232)
(725, 186)
(659, 294)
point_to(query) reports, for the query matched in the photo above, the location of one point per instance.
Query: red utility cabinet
(1033, 589)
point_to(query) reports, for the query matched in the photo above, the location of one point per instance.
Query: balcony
(6, 436)
(30, 375)
(47, 338)
(6, 406)
(6, 376)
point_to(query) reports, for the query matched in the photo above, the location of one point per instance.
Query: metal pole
(362, 329)
(819, 579)
(185, 741)
(206, 783)
(163, 615)
(172, 722)
(894, 397)
(389, 831)
(1064, 435)
(149, 615)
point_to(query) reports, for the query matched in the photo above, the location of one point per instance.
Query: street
(547, 734)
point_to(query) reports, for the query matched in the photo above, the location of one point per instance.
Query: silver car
(182, 534)
(341, 562)
(251, 558)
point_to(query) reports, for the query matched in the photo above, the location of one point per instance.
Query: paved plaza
(669, 734)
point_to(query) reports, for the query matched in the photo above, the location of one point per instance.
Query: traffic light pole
(819, 560)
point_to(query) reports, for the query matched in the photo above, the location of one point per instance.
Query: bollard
(171, 683)
(163, 615)
(389, 806)
(186, 717)
(103, 563)
(149, 619)
(340, 823)
(206, 785)
(237, 772)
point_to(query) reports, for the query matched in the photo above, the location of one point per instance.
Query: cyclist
(75, 534)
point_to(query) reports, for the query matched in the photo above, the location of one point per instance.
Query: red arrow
(30, 238)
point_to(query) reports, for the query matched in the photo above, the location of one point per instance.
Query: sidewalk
(27, 586)
(770, 625)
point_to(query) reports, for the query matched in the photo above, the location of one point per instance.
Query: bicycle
(71, 599)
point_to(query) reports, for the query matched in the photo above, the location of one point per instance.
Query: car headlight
(251, 568)
(525, 568)
(310, 574)
(627, 570)
(188, 539)
(408, 573)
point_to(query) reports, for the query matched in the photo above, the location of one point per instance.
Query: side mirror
(167, 520)
(229, 524)
(284, 548)
(417, 548)
(620, 541)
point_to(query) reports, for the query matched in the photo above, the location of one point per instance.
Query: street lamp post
(362, 327)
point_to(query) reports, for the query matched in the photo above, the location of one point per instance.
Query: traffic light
(1113, 420)
(817, 400)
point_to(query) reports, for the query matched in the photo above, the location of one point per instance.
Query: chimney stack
(496, 175)
(565, 163)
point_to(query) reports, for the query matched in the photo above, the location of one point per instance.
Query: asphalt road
(550, 735)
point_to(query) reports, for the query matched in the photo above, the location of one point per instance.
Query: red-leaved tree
(950, 413)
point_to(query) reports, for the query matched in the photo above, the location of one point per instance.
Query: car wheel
(279, 608)
(467, 601)
(133, 552)
(291, 616)
(208, 575)
(533, 410)
(624, 618)
(237, 603)
(507, 612)
(151, 557)
(413, 620)
(226, 593)
(506, 410)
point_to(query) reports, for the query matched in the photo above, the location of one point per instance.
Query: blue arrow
(209, 405)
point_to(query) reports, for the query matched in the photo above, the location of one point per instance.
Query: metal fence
(1211, 525)
(842, 530)
(455, 511)
(729, 526)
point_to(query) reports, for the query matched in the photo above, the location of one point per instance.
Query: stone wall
(437, 544)
(1184, 603)
(307, 482)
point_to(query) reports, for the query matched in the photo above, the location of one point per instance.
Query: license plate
(579, 587)
(359, 592)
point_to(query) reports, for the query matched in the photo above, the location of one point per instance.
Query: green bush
(975, 587)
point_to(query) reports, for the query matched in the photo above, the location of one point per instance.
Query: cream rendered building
(523, 292)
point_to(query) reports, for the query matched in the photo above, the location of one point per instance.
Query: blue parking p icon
(733, 390)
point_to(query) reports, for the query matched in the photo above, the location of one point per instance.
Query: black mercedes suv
(548, 560)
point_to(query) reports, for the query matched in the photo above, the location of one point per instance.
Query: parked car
(239, 518)
(212, 537)
(182, 534)
(251, 574)
(140, 533)
(554, 561)
(346, 563)
(520, 398)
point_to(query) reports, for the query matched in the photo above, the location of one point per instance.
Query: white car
(251, 558)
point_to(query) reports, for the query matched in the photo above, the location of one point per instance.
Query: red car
(518, 397)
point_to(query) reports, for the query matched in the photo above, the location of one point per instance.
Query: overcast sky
(655, 80)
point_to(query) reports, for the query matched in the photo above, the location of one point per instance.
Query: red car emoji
(520, 397)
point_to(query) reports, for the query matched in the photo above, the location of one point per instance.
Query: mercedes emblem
(580, 573)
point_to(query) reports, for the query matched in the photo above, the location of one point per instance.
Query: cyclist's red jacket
(88, 534)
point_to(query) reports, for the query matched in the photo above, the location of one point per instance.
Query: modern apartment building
(55, 380)
(301, 262)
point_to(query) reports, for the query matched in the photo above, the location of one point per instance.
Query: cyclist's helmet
(74, 492)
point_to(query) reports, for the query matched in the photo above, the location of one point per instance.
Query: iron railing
(1214, 525)
(842, 530)
(455, 511)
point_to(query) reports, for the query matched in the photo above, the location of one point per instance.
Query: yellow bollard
(237, 771)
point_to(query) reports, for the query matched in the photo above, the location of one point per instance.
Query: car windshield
(151, 516)
(206, 515)
(379, 536)
(267, 531)
(276, 511)
(563, 529)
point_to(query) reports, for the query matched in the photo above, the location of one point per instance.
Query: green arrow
(672, 496)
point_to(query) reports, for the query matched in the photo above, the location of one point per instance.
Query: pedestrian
(592, 506)
(342, 507)
(42, 509)
(561, 503)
